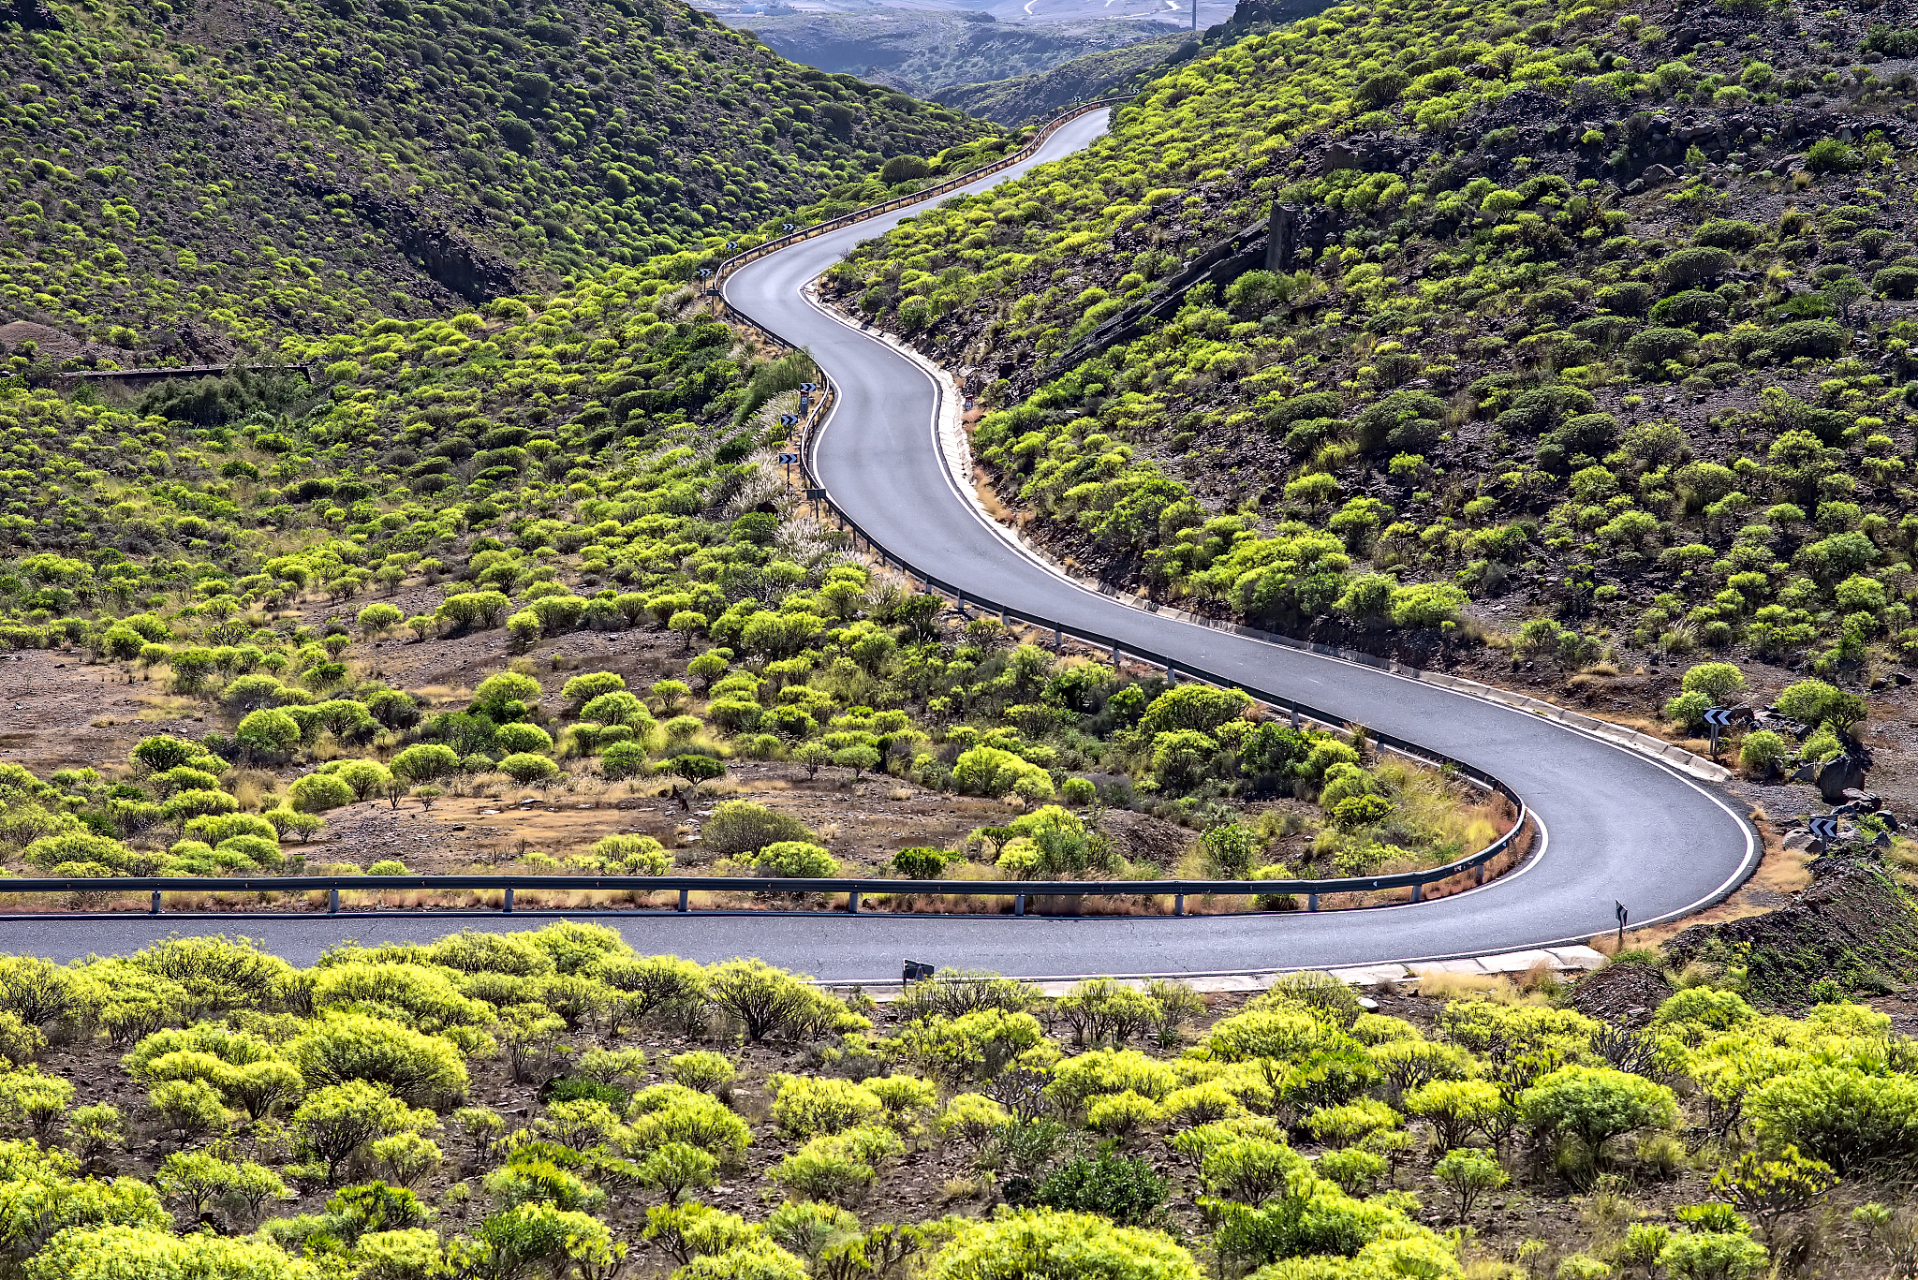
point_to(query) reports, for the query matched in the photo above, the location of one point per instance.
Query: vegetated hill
(1095, 75)
(1606, 312)
(1114, 72)
(197, 182)
(925, 50)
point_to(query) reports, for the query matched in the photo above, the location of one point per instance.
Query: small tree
(812, 755)
(689, 625)
(1767, 1190)
(694, 769)
(1469, 1173)
(858, 758)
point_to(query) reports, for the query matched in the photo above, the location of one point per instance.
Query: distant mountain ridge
(1021, 99)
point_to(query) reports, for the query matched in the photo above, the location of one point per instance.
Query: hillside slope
(1606, 313)
(197, 183)
(920, 51)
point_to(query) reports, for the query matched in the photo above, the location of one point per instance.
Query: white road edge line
(944, 432)
(945, 398)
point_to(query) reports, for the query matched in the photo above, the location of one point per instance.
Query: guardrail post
(155, 909)
(1019, 904)
(506, 908)
(1311, 902)
(1058, 639)
(1178, 904)
(682, 900)
(333, 902)
(1418, 892)
(852, 902)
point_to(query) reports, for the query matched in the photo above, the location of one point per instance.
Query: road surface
(1617, 826)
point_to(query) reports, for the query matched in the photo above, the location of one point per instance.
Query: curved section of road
(1616, 826)
(1621, 827)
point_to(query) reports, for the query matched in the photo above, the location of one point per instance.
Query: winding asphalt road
(1618, 826)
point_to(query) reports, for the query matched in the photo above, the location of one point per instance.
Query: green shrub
(33, 1103)
(701, 1069)
(805, 1107)
(633, 855)
(1468, 1174)
(988, 771)
(521, 738)
(528, 769)
(1721, 682)
(1127, 1191)
(1066, 1245)
(838, 1168)
(187, 1108)
(769, 1002)
(1829, 155)
(1593, 1104)
(670, 1113)
(1814, 702)
(426, 762)
(318, 792)
(740, 826)
(919, 863)
(417, 1068)
(1761, 751)
(1836, 1114)
(792, 858)
(337, 1121)
(1712, 1255)
(1687, 710)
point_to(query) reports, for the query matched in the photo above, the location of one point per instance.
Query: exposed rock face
(1854, 925)
(1625, 995)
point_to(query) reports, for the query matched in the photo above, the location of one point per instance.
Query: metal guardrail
(1021, 891)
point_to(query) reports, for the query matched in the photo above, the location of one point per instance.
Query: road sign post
(1716, 718)
(1618, 909)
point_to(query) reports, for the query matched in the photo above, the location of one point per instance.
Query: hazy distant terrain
(925, 47)
(1019, 99)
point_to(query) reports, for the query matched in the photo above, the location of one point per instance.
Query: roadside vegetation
(552, 1104)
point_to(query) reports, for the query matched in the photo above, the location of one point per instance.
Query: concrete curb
(955, 448)
(1569, 959)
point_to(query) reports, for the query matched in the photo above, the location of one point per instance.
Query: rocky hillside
(1602, 316)
(192, 183)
